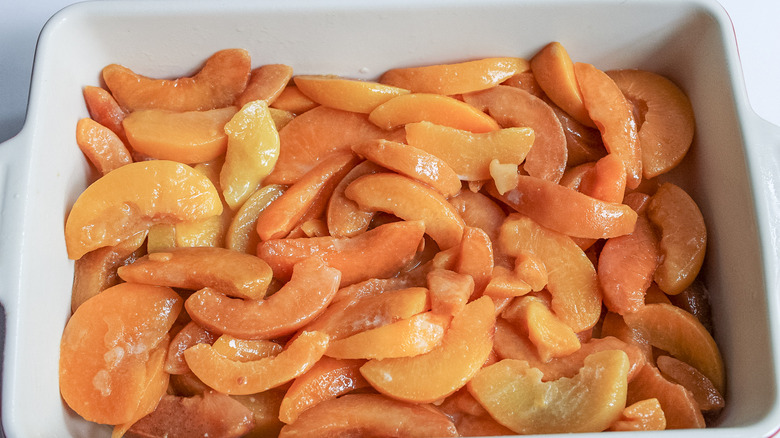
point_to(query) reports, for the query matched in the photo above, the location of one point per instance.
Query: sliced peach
(245, 350)
(431, 376)
(434, 108)
(642, 415)
(299, 301)
(389, 247)
(551, 336)
(281, 216)
(682, 335)
(583, 144)
(613, 325)
(677, 403)
(572, 280)
(107, 346)
(111, 209)
(567, 211)
(236, 377)
(189, 335)
(513, 107)
(265, 411)
(369, 415)
(370, 287)
(223, 77)
(655, 295)
(411, 201)
(346, 94)
(516, 397)
(612, 114)
(317, 134)
(104, 149)
(412, 162)
(457, 78)
(665, 118)
(468, 153)
(241, 234)
(626, 266)
(504, 283)
(707, 397)
(526, 82)
(344, 216)
(606, 181)
(695, 300)
(186, 137)
(531, 270)
(229, 272)
(104, 109)
(553, 69)
(475, 258)
(292, 100)
(327, 379)
(252, 151)
(449, 291)
(568, 366)
(683, 237)
(415, 335)
(265, 83)
(479, 211)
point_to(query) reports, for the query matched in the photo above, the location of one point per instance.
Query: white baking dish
(733, 170)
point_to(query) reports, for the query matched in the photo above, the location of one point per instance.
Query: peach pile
(479, 248)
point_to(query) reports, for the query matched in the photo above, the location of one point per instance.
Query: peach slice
(241, 234)
(252, 151)
(104, 109)
(186, 137)
(695, 300)
(707, 397)
(236, 377)
(346, 94)
(104, 149)
(613, 325)
(415, 335)
(479, 211)
(567, 211)
(370, 415)
(504, 283)
(683, 336)
(572, 280)
(344, 216)
(107, 346)
(223, 77)
(434, 108)
(583, 144)
(327, 379)
(526, 82)
(532, 271)
(466, 345)
(513, 107)
(317, 134)
(551, 336)
(677, 403)
(457, 78)
(188, 336)
(265, 83)
(553, 69)
(683, 237)
(606, 181)
(642, 415)
(293, 101)
(161, 192)
(612, 114)
(411, 201)
(299, 301)
(475, 258)
(389, 247)
(245, 350)
(229, 272)
(265, 411)
(449, 291)
(666, 122)
(412, 162)
(468, 153)
(516, 397)
(371, 287)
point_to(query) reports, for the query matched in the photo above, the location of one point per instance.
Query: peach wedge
(434, 108)
(132, 198)
(553, 69)
(346, 94)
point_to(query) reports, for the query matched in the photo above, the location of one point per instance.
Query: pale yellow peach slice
(241, 235)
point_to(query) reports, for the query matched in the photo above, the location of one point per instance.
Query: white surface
(755, 22)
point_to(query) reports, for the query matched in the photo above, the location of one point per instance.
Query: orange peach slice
(412, 162)
(104, 109)
(642, 415)
(346, 94)
(551, 336)
(504, 283)
(583, 144)
(298, 302)
(449, 291)
(567, 211)
(434, 108)
(223, 77)
(411, 201)
(606, 181)
(107, 347)
(229, 272)
(516, 397)
(682, 335)
(265, 83)
(252, 151)
(457, 78)
(554, 71)
(236, 377)
(245, 350)
(475, 258)
(389, 247)
(572, 280)
(683, 237)
(612, 114)
(344, 216)
(186, 137)
(293, 101)
(370, 415)
(666, 122)
(707, 397)
(104, 149)
(241, 234)
(434, 375)
(415, 335)
(678, 404)
(479, 211)
(188, 336)
(468, 153)
(111, 209)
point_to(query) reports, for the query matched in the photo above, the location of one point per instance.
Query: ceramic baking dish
(733, 170)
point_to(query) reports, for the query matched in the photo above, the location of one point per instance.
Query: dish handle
(12, 199)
